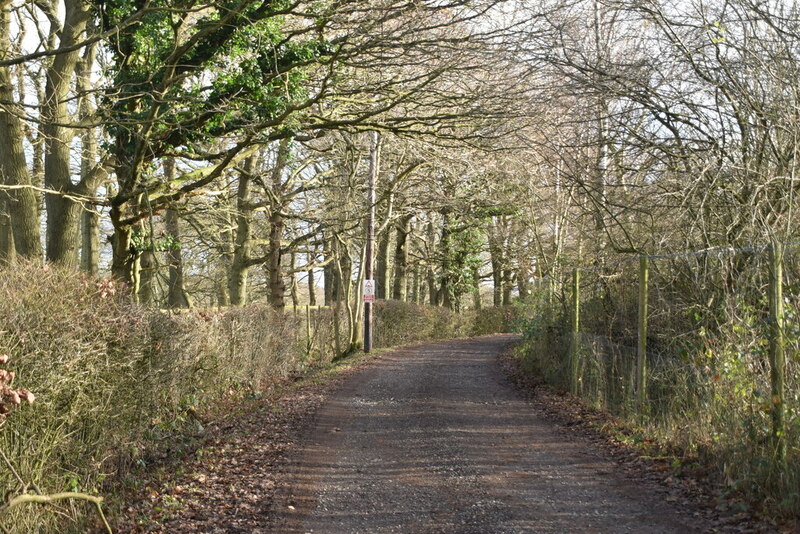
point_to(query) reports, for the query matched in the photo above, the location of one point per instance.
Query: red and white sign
(369, 290)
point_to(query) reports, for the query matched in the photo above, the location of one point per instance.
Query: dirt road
(434, 438)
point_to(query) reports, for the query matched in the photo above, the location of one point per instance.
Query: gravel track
(435, 439)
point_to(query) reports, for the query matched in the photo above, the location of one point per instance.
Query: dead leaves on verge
(638, 456)
(227, 483)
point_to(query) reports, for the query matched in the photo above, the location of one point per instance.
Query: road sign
(369, 290)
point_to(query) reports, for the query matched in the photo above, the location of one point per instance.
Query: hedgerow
(112, 379)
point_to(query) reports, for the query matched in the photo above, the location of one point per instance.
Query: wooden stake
(309, 344)
(777, 354)
(641, 348)
(574, 355)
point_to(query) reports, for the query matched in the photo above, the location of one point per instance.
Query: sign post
(369, 298)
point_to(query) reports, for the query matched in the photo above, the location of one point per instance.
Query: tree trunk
(227, 247)
(497, 280)
(345, 276)
(329, 273)
(400, 289)
(337, 329)
(63, 214)
(63, 219)
(476, 279)
(240, 264)
(433, 290)
(508, 282)
(277, 224)
(176, 295)
(497, 261)
(523, 275)
(90, 218)
(123, 253)
(602, 112)
(148, 267)
(23, 204)
(7, 252)
(90, 240)
(312, 286)
(223, 298)
(338, 266)
(382, 265)
(277, 285)
(416, 285)
(293, 289)
(446, 289)
(354, 296)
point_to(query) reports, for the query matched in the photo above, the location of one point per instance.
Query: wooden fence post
(574, 352)
(641, 347)
(777, 356)
(309, 342)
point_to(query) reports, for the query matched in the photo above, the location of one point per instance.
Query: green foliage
(237, 66)
(461, 257)
(544, 328)
(141, 241)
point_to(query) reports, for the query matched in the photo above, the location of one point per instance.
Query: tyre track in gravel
(435, 439)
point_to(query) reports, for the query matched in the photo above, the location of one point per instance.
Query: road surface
(434, 439)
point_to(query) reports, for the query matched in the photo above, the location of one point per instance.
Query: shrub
(79, 346)
(708, 365)
(398, 323)
(495, 320)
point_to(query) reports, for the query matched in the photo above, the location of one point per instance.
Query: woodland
(177, 174)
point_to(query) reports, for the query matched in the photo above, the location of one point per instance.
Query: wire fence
(700, 346)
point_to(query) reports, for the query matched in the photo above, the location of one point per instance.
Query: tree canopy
(222, 145)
